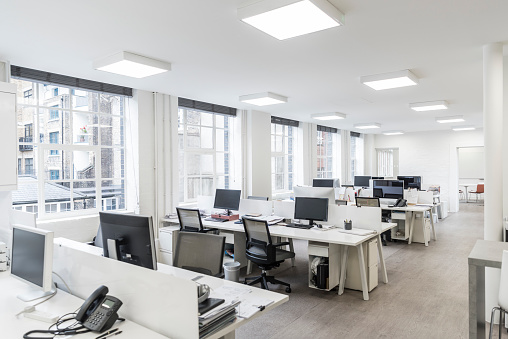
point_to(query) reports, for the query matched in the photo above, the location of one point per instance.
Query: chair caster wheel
(288, 289)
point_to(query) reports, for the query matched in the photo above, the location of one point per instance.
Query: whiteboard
(471, 163)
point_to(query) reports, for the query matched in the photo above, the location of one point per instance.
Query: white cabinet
(167, 243)
(325, 250)
(8, 138)
(353, 278)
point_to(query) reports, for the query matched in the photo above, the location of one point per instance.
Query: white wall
(432, 155)
(259, 157)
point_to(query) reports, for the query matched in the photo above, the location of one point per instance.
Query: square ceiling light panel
(263, 99)
(131, 65)
(429, 106)
(393, 132)
(328, 116)
(446, 120)
(284, 19)
(367, 125)
(463, 128)
(390, 80)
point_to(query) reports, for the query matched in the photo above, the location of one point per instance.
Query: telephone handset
(400, 203)
(99, 311)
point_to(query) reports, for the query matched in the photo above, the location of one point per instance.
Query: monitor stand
(36, 294)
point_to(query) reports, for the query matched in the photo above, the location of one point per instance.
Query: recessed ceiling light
(328, 116)
(463, 128)
(367, 126)
(263, 99)
(429, 106)
(131, 65)
(284, 19)
(393, 132)
(445, 120)
(390, 80)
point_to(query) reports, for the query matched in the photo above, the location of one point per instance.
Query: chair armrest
(281, 244)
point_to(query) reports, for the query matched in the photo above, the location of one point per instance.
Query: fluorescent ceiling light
(284, 19)
(367, 126)
(463, 128)
(429, 106)
(131, 65)
(393, 132)
(390, 80)
(328, 116)
(445, 120)
(264, 99)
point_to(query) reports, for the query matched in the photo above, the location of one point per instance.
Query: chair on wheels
(200, 252)
(190, 220)
(502, 297)
(261, 251)
(479, 190)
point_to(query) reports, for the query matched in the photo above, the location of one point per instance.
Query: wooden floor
(426, 297)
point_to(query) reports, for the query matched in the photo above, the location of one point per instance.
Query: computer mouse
(238, 222)
(319, 226)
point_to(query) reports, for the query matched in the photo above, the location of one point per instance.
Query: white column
(493, 136)
(259, 157)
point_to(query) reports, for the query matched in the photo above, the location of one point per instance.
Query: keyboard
(299, 226)
(215, 219)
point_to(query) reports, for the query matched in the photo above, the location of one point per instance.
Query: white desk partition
(284, 209)
(368, 218)
(255, 206)
(205, 203)
(425, 197)
(366, 192)
(23, 218)
(161, 302)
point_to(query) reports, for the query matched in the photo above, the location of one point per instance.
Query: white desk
(60, 304)
(332, 236)
(414, 210)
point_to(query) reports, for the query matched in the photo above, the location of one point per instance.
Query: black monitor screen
(362, 180)
(368, 202)
(378, 178)
(392, 189)
(227, 199)
(133, 235)
(411, 181)
(28, 256)
(323, 182)
(311, 208)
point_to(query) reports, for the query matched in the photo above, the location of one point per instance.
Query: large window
(283, 150)
(77, 162)
(357, 155)
(327, 152)
(385, 162)
(204, 152)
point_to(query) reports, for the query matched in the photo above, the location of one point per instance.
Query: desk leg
(363, 273)
(424, 230)
(240, 248)
(432, 224)
(292, 249)
(413, 215)
(382, 259)
(476, 302)
(343, 267)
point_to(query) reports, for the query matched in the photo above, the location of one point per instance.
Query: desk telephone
(400, 203)
(99, 311)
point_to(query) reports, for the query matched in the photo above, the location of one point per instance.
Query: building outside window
(204, 143)
(76, 175)
(283, 147)
(357, 155)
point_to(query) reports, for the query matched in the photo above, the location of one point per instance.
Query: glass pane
(279, 165)
(57, 164)
(193, 137)
(54, 126)
(56, 192)
(113, 194)
(193, 117)
(26, 93)
(219, 121)
(65, 206)
(279, 129)
(207, 186)
(278, 143)
(207, 119)
(279, 181)
(112, 131)
(111, 104)
(207, 164)
(112, 163)
(192, 188)
(85, 101)
(84, 164)
(53, 96)
(25, 126)
(221, 182)
(84, 193)
(273, 143)
(193, 164)
(206, 137)
(273, 128)
(219, 140)
(273, 164)
(220, 165)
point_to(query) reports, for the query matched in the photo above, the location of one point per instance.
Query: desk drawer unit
(353, 278)
(325, 250)
(167, 244)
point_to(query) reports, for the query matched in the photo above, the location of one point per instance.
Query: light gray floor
(426, 297)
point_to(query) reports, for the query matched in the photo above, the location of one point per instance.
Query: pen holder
(348, 225)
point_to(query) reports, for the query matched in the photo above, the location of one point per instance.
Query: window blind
(19, 72)
(207, 107)
(355, 134)
(327, 129)
(284, 121)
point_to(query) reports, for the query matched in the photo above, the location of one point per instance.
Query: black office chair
(190, 220)
(200, 252)
(261, 251)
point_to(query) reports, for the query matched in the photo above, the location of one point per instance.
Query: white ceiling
(216, 58)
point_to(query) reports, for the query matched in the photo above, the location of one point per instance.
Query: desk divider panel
(284, 209)
(255, 206)
(425, 197)
(161, 302)
(205, 202)
(368, 218)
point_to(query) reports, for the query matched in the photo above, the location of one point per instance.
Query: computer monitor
(368, 202)
(315, 192)
(129, 238)
(362, 180)
(227, 199)
(392, 189)
(311, 209)
(325, 182)
(32, 260)
(411, 181)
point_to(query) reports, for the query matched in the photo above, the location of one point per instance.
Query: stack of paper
(272, 219)
(217, 318)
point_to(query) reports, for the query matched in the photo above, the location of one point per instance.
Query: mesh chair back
(189, 219)
(503, 285)
(200, 252)
(259, 247)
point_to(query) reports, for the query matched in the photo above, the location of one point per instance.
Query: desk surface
(487, 253)
(410, 208)
(60, 304)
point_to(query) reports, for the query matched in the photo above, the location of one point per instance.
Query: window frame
(328, 159)
(287, 183)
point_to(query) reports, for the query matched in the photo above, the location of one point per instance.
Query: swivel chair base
(265, 279)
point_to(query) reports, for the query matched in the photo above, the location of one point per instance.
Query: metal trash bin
(232, 271)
